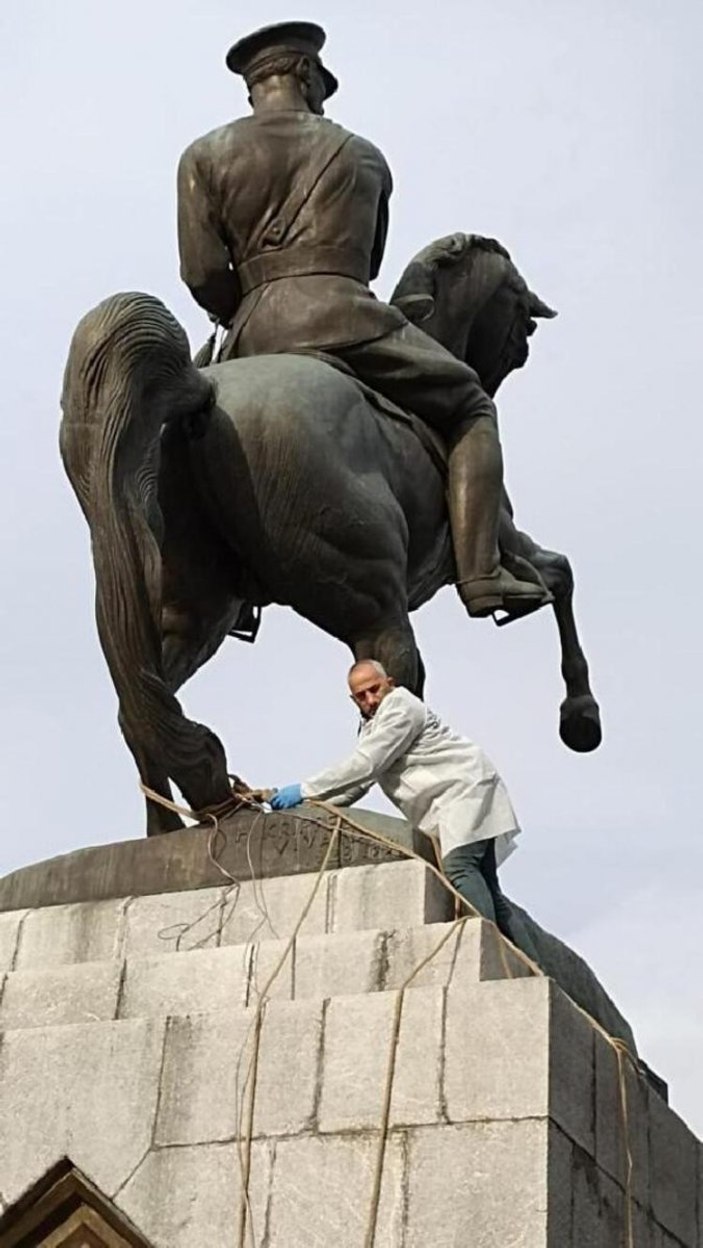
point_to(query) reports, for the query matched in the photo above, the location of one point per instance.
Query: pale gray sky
(570, 132)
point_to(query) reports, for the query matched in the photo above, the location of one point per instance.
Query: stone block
(173, 922)
(58, 935)
(470, 955)
(321, 1193)
(499, 960)
(660, 1238)
(519, 1049)
(586, 1207)
(644, 1227)
(266, 961)
(207, 1068)
(571, 1070)
(597, 1206)
(190, 1197)
(396, 894)
(673, 1172)
(10, 927)
(338, 964)
(560, 1161)
(599, 1210)
(357, 1050)
(84, 993)
(207, 979)
(458, 961)
(288, 1069)
(482, 1183)
(88, 1092)
(269, 909)
(611, 1138)
(207, 1061)
(497, 1051)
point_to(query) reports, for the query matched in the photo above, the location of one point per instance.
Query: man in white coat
(441, 782)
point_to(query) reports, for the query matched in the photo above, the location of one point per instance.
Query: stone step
(504, 1123)
(386, 896)
(234, 976)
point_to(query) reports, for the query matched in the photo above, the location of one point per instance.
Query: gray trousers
(473, 872)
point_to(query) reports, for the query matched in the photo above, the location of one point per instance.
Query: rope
(463, 902)
(621, 1050)
(245, 1155)
(370, 1235)
(358, 831)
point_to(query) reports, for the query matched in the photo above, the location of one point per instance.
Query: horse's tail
(128, 372)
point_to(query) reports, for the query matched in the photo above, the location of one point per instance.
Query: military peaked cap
(304, 37)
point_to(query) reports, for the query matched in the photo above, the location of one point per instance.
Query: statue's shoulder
(223, 139)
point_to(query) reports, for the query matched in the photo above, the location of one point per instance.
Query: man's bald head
(363, 664)
(369, 684)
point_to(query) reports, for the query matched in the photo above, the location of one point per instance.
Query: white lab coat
(443, 784)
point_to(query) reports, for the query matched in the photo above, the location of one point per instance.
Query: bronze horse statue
(280, 478)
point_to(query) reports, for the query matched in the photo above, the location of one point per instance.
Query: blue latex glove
(284, 799)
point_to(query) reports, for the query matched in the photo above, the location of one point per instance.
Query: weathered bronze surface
(310, 466)
(282, 219)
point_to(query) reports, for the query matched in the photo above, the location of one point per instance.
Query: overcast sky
(569, 131)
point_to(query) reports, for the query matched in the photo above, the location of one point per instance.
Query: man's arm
(349, 796)
(205, 261)
(400, 722)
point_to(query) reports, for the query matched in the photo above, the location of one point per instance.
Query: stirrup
(518, 608)
(491, 597)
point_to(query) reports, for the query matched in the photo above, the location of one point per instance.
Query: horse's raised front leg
(579, 715)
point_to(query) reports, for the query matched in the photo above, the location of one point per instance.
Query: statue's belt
(271, 266)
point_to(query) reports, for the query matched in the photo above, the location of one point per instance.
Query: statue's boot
(507, 590)
(523, 570)
(501, 592)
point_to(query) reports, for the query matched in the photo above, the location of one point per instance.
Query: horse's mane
(490, 266)
(454, 247)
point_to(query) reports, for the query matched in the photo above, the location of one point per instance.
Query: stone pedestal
(128, 1026)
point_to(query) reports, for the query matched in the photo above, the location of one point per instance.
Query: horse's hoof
(579, 724)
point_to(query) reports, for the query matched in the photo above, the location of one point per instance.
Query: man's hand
(284, 799)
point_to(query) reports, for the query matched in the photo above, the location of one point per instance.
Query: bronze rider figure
(282, 224)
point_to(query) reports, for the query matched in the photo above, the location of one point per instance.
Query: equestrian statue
(338, 455)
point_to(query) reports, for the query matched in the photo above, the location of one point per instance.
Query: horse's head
(465, 292)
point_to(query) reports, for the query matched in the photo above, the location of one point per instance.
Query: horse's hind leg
(393, 644)
(158, 818)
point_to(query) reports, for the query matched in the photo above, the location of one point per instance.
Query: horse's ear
(539, 308)
(417, 308)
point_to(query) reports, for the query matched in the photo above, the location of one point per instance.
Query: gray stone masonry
(131, 1030)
